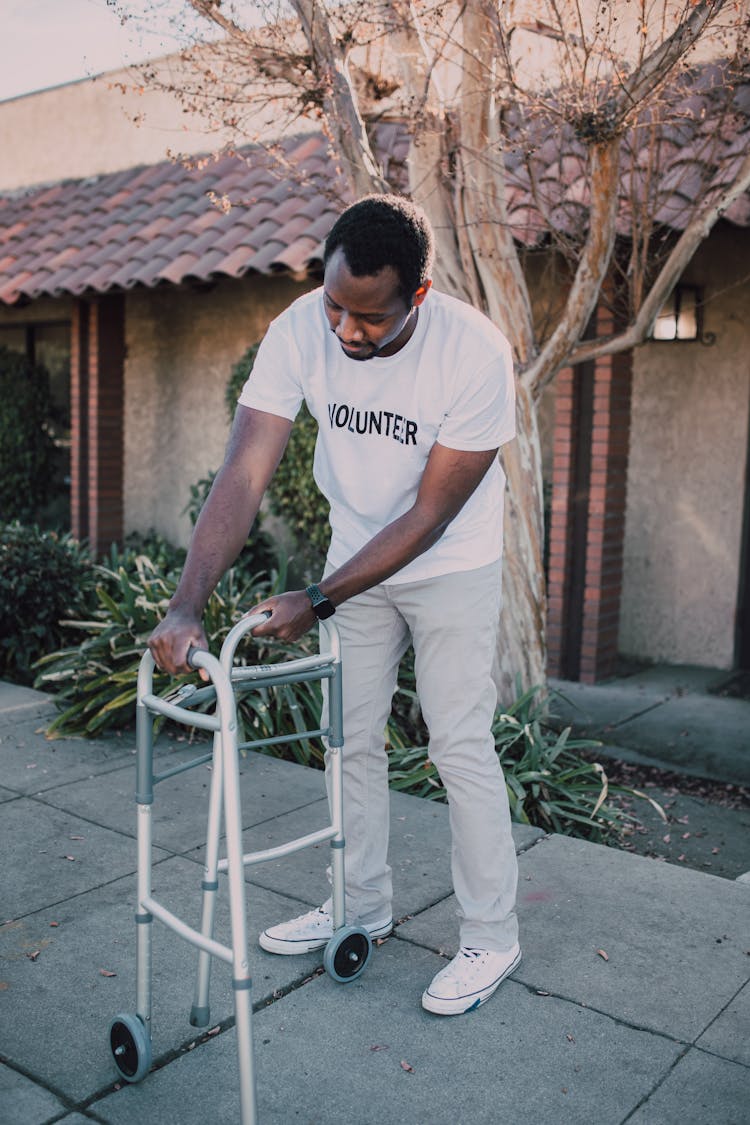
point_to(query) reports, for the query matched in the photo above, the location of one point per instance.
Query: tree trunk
(522, 651)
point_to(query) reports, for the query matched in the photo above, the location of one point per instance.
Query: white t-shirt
(378, 419)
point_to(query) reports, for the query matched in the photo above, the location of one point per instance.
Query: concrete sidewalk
(666, 716)
(632, 1002)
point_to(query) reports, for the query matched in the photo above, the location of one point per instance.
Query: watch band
(322, 606)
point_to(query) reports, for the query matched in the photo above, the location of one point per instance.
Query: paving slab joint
(657, 1085)
(68, 1105)
(532, 843)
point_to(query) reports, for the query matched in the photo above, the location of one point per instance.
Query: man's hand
(291, 616)
(171, 639)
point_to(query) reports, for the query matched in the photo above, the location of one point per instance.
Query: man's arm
(449, 479)
(256, 445)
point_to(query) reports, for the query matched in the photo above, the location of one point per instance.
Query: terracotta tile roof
(697, 151)
(165, 224)
(158, 224)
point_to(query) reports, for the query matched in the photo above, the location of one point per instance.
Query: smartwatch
(322, 606)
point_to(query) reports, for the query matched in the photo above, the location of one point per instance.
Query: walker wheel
(131, 1046)
(347, 953)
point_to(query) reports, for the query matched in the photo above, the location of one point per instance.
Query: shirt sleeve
(482, 414)
(274, 385)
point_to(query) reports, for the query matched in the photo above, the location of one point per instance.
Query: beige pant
(452, 621)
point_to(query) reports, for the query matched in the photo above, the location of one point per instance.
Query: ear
(420, 294)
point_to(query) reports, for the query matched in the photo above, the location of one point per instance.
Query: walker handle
(244, 625)
(193, 658)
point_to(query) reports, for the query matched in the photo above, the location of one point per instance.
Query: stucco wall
(689, 441)
(181, 346)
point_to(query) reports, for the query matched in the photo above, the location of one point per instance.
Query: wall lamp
(681, 317)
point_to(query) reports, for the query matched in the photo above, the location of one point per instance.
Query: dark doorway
(47, 343)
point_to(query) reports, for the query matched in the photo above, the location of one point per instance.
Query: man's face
(369, 315)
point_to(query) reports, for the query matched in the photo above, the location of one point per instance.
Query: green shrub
(293, 494)
(95, 680)
(549, 784)
(239, 375)
(295, 497)
(164, 555)
(27, 449)
(44, 577)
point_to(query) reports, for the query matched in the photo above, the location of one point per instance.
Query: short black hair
(384, 230)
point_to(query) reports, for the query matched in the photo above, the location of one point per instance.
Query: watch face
(322, 607)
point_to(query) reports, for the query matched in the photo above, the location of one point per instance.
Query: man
(413, 394)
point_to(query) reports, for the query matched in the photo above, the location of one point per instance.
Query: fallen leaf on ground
(405, 1066)
(379, 1047)
(72, 858)
(33, 956)
(603, 955)
(107, 973)
(214, 1031)
(76, 837)
(569, 1037)
(54, 924)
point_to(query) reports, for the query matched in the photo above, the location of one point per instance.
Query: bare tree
(496, 98)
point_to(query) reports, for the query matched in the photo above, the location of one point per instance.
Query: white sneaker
(311, 931)
(469, 980)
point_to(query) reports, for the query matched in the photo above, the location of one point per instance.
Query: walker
(348, 951)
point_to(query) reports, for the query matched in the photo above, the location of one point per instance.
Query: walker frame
(348, 951)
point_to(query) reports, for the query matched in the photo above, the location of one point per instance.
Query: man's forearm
(449, 479)
(220, 534)
(388, 552)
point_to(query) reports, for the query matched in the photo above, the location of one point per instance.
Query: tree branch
(483, 228)
(656, 66)
(340, 100)
(591, 271)
(688, 242)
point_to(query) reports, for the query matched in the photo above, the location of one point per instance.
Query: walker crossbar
(215, 948)
(282, 850)
(157, 777)
(348, 950)
(277, 739)
(180, 714)
(280, 676)
(293, 667)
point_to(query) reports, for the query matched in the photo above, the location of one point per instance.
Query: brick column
(97, 384)
(79, 416)
(606, 523)
(587, 523)
(561, 524)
